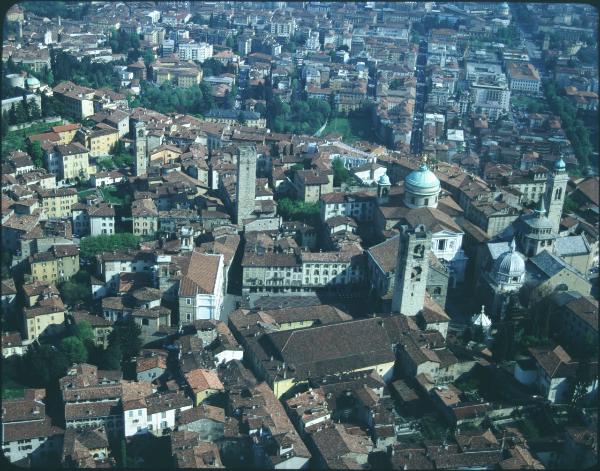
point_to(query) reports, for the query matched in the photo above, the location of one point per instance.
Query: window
(130, 413)
(437, 290)
(145, 322)
(442, 244)
(163, 415)
(188, 301)
(426, 201)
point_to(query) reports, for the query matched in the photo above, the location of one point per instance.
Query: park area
(352, 129)
(18, 139)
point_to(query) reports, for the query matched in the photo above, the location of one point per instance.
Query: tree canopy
(93, 245)
(126, 335)
(74, 350)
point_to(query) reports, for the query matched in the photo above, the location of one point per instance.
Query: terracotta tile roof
(29, 430)
(556, 363)
(148, 363)
(201, 380)
(200, 274)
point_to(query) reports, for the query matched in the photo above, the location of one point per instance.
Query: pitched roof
(201, 380)
(556, 363)
(200, 274)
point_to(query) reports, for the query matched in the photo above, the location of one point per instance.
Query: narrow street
(416, 141)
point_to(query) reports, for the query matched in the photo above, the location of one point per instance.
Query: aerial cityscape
(285, 235)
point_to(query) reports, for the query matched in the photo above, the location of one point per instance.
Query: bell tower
(412, 268)
(141, 149)
(556, 187)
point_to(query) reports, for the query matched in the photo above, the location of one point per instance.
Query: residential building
(100, 142)
(145, 217)
(203, 383)
(43, 320)
(27, 431)
(153, 413)
(57, 202)
(195, 51)
(78, 101)
(73, 161)
(59, 263)
(92, 398)
(311, 184)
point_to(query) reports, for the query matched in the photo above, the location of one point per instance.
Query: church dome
(560, 164)
(422, 181)
(510, 265)
(384, 180)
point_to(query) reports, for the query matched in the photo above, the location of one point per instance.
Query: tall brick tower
(246, 184)
(412, 267)
(556, 187)
(141, 149)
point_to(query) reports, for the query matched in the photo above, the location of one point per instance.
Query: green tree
(126, 333)
(110, 359)
(73, 293)
(340, 173)
(4, 123)
(83, 331)
(43, 365)
(21, 112)
(34, 110)
(74, 350)
(34, 149)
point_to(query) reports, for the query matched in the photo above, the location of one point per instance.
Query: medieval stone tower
(412, 267)
(141, 150)
(246, 184)
(555, 193)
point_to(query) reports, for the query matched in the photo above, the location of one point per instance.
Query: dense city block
(285, 235)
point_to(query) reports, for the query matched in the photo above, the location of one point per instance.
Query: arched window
(412, 200)
(426, 201)
(558, 194)
(419, 251)
(416, 274)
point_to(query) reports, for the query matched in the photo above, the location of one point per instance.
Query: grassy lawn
(84, 193)
(110, 195)
(17, 139)
(352, 129)
(11, 389)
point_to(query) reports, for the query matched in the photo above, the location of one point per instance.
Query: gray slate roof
(571, 245)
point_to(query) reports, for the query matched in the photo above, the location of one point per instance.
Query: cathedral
(422, 251)
(531, 255)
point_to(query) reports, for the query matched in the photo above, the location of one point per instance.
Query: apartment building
(57, 202)
(43, 320)
(100, 142)
(73, 161)
(58, 264)
(78, 101)
(523, 77)
(490, 96)
(195, 51)
(145, 217)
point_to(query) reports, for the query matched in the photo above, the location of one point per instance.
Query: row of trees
(574, 128)
(22, 112)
